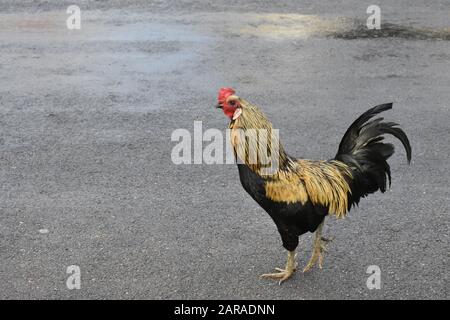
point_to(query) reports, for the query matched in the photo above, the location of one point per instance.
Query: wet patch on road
(390, 30)
(306, 26)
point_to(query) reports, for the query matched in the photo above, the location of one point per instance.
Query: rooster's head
(229, 103)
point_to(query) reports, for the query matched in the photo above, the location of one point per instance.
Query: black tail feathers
(362, 148)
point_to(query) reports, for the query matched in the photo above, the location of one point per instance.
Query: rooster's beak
(219, 106)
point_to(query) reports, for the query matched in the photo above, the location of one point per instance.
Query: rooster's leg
(318, 250)
(284, 274)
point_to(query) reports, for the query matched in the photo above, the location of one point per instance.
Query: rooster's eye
(232, 103)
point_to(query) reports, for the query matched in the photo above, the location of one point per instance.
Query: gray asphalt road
(85, 146)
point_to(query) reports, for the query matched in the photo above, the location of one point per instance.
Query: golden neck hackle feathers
(256, 143)
(321, 182)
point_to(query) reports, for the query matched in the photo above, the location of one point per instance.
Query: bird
(298, 194)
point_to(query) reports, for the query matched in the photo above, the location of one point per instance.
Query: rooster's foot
(320, 247)
(283, 274)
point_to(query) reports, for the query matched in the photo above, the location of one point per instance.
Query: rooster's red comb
(224, 93)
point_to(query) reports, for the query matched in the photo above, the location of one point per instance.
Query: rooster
(300, 193)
